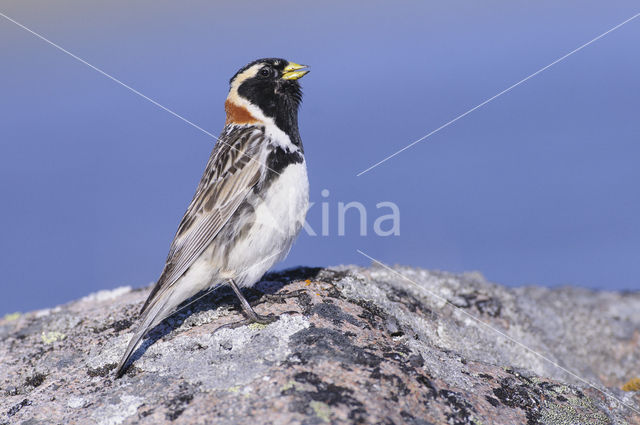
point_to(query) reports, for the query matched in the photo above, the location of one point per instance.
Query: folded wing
(231, 173)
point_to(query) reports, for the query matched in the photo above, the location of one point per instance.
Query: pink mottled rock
(352, 345)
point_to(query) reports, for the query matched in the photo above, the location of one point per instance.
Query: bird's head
(266, 89)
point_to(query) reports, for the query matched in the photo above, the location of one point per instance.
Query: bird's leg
(248, 310)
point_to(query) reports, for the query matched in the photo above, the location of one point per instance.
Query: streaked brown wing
(231, 173)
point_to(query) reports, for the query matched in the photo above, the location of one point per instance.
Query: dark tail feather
(153, 315)
(124, 362)
(154, 312)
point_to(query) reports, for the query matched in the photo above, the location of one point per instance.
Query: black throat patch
(278, 99)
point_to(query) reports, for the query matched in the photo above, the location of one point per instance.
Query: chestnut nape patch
(238, 114)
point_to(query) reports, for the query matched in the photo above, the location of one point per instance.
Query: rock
(352, 345)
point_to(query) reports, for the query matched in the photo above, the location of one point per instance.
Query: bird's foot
(263, 320)
(257, 318)
(252, 316)
(282, 298)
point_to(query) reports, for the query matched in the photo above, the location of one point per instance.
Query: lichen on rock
(352, 345)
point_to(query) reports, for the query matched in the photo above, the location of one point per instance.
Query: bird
(251, 201)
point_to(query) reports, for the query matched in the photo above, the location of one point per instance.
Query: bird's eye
(265, 72)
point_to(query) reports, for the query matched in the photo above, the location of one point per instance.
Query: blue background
(538, 187)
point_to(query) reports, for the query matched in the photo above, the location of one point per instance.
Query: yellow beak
(293, 71)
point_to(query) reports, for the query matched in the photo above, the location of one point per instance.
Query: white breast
(279, 215)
